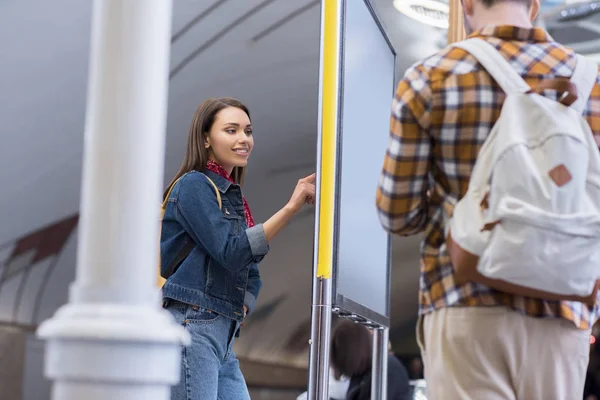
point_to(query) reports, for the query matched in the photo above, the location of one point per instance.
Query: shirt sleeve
(403, 184)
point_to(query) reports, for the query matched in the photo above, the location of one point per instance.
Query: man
(477, 343)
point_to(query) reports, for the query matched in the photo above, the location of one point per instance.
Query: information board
(361, 276)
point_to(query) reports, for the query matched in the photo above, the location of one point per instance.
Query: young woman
(211, 247)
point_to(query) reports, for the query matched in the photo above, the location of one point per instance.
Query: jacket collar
(221, 183)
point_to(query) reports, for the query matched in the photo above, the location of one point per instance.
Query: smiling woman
(230, 140)
(222, 122)
(211, 248)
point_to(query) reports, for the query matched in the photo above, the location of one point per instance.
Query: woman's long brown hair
(196, 155)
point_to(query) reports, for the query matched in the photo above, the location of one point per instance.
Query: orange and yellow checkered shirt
(443, 110)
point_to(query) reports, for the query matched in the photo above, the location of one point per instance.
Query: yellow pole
(456, 27)
(329, 81)
(329, 114)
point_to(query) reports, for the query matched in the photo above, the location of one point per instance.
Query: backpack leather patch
(560, 175)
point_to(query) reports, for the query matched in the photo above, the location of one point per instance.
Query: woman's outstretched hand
(304, 193)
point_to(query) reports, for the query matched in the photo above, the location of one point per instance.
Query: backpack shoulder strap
(216, 191)
(495, 64)
(164, 203)
(190, 244)
(163, 207)
(584, 77)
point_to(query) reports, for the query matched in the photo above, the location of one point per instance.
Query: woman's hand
(304, 193)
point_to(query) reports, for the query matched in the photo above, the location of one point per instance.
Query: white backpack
(531, 216)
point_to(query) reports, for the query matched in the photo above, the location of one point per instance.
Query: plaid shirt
(442, 113)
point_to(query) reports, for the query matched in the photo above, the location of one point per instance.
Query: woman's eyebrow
(235, 124)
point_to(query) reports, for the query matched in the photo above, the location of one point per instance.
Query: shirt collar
(514, 33)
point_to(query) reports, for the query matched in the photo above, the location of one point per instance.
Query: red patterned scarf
(217, 169)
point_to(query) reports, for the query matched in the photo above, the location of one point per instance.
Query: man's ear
(534, 9)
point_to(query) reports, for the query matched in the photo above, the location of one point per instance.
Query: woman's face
(230, 140)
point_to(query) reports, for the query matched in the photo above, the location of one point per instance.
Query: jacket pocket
(217, 277)
(235, 221)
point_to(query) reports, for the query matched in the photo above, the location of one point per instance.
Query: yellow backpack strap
(163, 207)
(161, 280)
(216, 191)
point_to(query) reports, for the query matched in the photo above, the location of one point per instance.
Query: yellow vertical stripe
(330, 71)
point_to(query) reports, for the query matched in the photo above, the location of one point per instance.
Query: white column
(112, 340)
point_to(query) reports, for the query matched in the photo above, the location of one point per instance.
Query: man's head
(479, 13)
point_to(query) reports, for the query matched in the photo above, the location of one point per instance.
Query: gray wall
(35, 385)
(12, 350)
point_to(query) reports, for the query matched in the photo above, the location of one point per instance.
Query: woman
(351, 355)
(217, 282)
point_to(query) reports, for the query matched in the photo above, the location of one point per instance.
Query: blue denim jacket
(221, 273)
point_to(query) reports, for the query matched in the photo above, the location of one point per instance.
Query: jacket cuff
(258, 240)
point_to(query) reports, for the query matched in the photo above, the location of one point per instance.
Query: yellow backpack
(189, 246)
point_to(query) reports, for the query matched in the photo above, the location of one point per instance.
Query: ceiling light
(430, 12)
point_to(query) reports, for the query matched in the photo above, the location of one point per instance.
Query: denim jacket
(221, 273)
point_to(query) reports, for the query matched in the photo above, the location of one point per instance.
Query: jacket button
(187, 321)
(195, 308)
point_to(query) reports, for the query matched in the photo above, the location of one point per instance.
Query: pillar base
(106, 351)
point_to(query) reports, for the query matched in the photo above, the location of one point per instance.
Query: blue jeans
(210, 369)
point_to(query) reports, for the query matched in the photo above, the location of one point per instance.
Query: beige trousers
(493, 353)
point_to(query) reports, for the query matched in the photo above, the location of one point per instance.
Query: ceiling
(264, 52)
